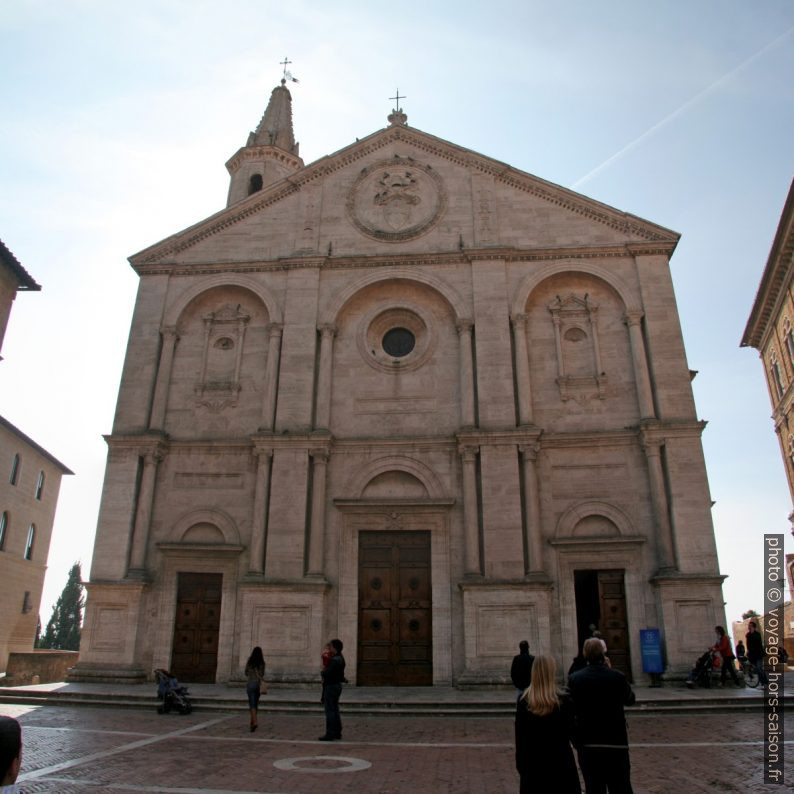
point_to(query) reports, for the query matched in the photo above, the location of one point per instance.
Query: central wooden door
(198, 613)
(395, 638)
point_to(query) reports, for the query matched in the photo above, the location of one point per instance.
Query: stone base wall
(39, 667)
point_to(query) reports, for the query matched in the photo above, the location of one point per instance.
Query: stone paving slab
(103, 750)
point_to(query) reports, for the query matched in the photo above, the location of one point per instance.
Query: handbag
(262, 686)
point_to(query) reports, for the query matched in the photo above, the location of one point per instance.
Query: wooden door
(198, 611)
(614, 624)
(395, 645)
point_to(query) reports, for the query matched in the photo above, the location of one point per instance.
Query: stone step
(299, 703)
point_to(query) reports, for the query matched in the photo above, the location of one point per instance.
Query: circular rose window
(396, 339)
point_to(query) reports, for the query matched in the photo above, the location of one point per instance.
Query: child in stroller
(700, 674)
(172, 693)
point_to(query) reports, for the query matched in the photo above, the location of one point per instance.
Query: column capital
(320, 455)
(169, 332)
(530, 451)
(464, 326)
(263, 453)
(519, 321)
(633, 318)
(328, 329)
(468, 453)
(275, 329)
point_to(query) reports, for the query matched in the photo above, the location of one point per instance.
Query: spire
(275, 127)
(270, 153)
(397, 118)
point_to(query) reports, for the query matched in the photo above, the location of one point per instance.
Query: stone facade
(30, 479)
(408, 396)
(770, 330)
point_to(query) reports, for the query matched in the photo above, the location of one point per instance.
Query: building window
(27, 604)
(774, 369)
(398, 342)
(40, 485)
(29, 543)
(788, 338)
(790, 451)
(3, 528)
(16, 465)
(255, 184)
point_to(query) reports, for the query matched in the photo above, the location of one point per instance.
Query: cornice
(262, 153)
(776, 276)
(436, 258)
(556, 195)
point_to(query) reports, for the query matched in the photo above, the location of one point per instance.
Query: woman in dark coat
(255, 675)
(544, 729)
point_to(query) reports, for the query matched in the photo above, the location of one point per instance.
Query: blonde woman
(544, 729)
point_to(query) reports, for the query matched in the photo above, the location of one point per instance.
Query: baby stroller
(701, 673)
(172, 693)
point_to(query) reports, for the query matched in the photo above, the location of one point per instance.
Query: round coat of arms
(396, 199)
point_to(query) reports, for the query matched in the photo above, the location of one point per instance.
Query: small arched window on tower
(774, 371)
(40, 485)
(30, 541)
(791, 451)
(254, 183)
(788, 337)
(15, 467)
(3, 528)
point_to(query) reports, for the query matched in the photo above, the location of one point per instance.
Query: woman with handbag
(256, 685)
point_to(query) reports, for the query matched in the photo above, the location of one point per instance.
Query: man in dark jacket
(599, 695)
(755, 650)
(521, 669)
(333, 678)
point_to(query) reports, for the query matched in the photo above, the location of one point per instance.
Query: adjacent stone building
(770, 330)
(30, 479)
(409, 396)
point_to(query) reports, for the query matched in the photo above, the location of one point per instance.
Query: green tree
(751, 613)
(37, 638)
(63, 630)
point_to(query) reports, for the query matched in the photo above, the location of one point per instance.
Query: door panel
(196, 627)
(395, 609)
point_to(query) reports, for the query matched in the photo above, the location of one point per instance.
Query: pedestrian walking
(599, 694)
(755, 650)
(521, 668)
(544, 729)
(10, 754)
(255, 684)
(333, 678)
(723, 648)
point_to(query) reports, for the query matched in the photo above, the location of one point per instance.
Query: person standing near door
(521, 668)
(599, 695)
(333, 678)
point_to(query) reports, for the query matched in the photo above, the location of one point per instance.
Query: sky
(118, 118)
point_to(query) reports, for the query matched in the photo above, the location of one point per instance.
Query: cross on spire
(285, 63)
(398, 98)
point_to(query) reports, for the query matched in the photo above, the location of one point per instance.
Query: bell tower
(270, 153)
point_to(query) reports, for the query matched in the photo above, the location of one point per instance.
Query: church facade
(411, 397)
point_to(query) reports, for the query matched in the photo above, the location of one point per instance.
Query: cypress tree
(63, 630)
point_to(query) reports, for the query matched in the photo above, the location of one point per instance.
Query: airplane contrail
(678, 111)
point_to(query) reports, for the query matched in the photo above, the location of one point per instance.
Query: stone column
(170, 338)
(640, 360)
(522, 369)
(271, 375)
(143, 512)
(256, 562)
(558, 345)
(323, 410)
(664, 529)
(532, 527)
(466, 373)
(317, 526)
(471, 524)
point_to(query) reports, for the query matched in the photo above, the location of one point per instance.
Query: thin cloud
(680, 110)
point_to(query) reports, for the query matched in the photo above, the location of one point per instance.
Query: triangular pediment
(403, 191)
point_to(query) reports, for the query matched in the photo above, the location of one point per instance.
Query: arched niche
(205, 527)
(593, 520)
(387, 473)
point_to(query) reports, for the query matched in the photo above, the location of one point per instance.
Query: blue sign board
(651, 647)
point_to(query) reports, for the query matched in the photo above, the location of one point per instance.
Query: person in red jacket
(723, 648)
